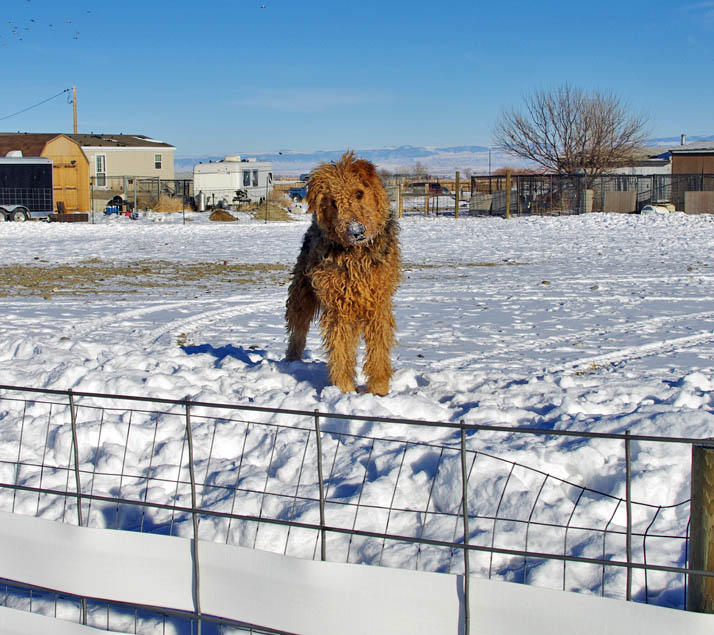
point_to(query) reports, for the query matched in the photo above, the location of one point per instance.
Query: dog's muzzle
(356, 232)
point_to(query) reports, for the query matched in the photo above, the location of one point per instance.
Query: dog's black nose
(356, 230)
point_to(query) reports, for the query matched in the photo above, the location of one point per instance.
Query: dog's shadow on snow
(313, 373)
(249, 356)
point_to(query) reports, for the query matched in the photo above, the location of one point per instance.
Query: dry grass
(274, 210)
(169, 204)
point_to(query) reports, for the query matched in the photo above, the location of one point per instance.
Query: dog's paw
(378, 387)
(292, 355)
(345, 385)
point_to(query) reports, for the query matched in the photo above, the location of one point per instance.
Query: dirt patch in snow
(221, 215)
(92, 277)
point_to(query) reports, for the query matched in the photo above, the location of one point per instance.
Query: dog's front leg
(379, 339)
(340, 339)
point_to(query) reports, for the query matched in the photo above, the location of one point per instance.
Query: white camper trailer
(233, 180)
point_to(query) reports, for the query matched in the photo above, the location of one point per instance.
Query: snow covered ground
(592, 323)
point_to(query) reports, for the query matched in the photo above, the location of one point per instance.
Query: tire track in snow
(629, 328)
(192, 323)
(636, 352)
(92, 325)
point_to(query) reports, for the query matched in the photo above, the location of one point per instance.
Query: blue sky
(218, 77)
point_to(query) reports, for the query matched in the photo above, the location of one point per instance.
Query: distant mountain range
(673, 142)
(438, 161)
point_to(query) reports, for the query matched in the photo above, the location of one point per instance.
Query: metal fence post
(628, 497)
(400, 200)
(318, 441)
(465, 509)
(701, 551)
(75, 452)
(194, 514)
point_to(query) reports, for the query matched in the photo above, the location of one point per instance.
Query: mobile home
(232, 180)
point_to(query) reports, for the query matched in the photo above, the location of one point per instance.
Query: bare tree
(567, 129)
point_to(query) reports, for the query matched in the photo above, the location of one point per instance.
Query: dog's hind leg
(300, 308)
(340, 338)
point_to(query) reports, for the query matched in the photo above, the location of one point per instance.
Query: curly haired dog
(348, 269)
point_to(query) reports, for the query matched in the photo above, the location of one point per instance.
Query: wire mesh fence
(542, 194)
(368, 490)
(142, 193)
(530, 194)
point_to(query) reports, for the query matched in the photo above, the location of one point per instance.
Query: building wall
(693, 163)
(70, 173)
(644, 169)
(137, 162)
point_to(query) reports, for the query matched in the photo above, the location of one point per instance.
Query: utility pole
(74, 107)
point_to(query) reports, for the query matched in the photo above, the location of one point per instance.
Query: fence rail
(336, 487)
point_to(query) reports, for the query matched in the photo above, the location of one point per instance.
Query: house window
(157, 161)
(246, 178)
(100, 171)
(255, 178)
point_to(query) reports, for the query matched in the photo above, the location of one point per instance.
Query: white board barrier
(304, 596)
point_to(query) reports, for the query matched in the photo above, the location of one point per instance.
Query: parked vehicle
(297, 193)
(26, 188)
(434, 188)
(220, 181)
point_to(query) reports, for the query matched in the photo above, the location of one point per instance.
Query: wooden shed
(693, 158)
(70, 164)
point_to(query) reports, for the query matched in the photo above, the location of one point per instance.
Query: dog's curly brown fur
(348, 269)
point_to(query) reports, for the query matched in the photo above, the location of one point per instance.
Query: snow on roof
(694, 146)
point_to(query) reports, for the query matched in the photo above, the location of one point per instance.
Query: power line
(44, 101)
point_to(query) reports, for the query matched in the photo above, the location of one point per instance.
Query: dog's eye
(359, 194)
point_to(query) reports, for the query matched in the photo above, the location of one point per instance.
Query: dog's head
(348, 200)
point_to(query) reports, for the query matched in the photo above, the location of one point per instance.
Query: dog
(347, 272)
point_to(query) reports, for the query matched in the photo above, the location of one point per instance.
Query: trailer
(26, 188)
(232, 180)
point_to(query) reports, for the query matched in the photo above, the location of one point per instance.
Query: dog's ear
(316, 186)
(366, 171)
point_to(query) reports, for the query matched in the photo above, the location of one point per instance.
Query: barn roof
(31, 144)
